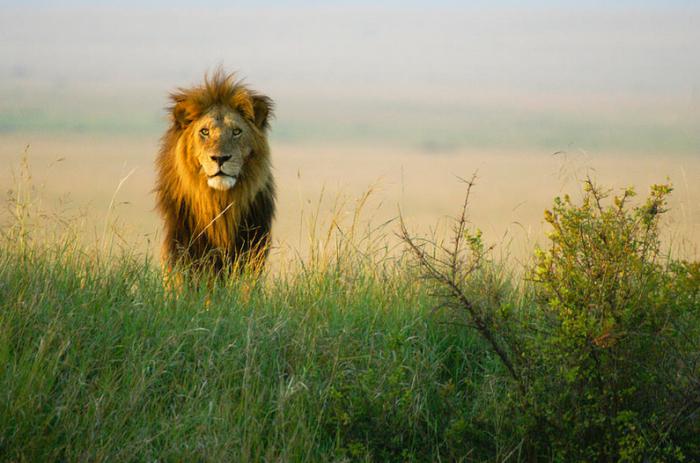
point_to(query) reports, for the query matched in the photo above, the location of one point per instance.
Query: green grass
(99, 362)
(592, 355)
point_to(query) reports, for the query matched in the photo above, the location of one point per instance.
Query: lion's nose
(220, 159)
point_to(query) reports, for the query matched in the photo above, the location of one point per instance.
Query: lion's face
(221, 144)
(220, 130)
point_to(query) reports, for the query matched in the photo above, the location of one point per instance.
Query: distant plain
(79, 177)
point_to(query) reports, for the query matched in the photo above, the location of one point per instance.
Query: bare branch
(449, 272)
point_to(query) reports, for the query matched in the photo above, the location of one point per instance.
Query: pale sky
(568, 49)
(510, 61)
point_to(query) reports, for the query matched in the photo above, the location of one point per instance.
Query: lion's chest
(212, 222)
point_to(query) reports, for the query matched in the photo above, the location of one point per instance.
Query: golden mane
(204, 226)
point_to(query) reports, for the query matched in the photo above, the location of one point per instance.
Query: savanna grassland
(506, 334)
(107, 180)
(374, 341)
(393, 324)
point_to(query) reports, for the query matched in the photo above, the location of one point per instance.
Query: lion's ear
(183, 114)
(262, 110)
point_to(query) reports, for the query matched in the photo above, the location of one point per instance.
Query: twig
(450, 278)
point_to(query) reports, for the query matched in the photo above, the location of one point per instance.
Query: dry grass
(320, 185)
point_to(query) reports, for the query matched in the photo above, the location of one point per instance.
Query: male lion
(214, 184)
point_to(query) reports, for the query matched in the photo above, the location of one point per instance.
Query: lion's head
(215, 189)
(221, 126)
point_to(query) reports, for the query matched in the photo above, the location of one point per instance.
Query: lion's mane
(203, 227)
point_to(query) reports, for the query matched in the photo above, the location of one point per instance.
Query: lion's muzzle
(221, 182)
(220, 159)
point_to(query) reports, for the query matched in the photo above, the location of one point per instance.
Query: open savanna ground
(107, 181)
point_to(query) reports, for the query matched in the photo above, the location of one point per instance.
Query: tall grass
(340, 359)
(99, 362)
(344, 358)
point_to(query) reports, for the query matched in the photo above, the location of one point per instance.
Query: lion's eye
(204, 132)
(237, 132)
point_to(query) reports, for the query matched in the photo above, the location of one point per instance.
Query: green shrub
(617, 314)
(599, 352)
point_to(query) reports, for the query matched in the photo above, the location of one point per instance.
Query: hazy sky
(395, 3)
(376, 49)
(495, 64)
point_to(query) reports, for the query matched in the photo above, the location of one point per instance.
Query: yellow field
(80, 175)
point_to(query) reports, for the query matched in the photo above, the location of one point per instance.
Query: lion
(214, 189)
